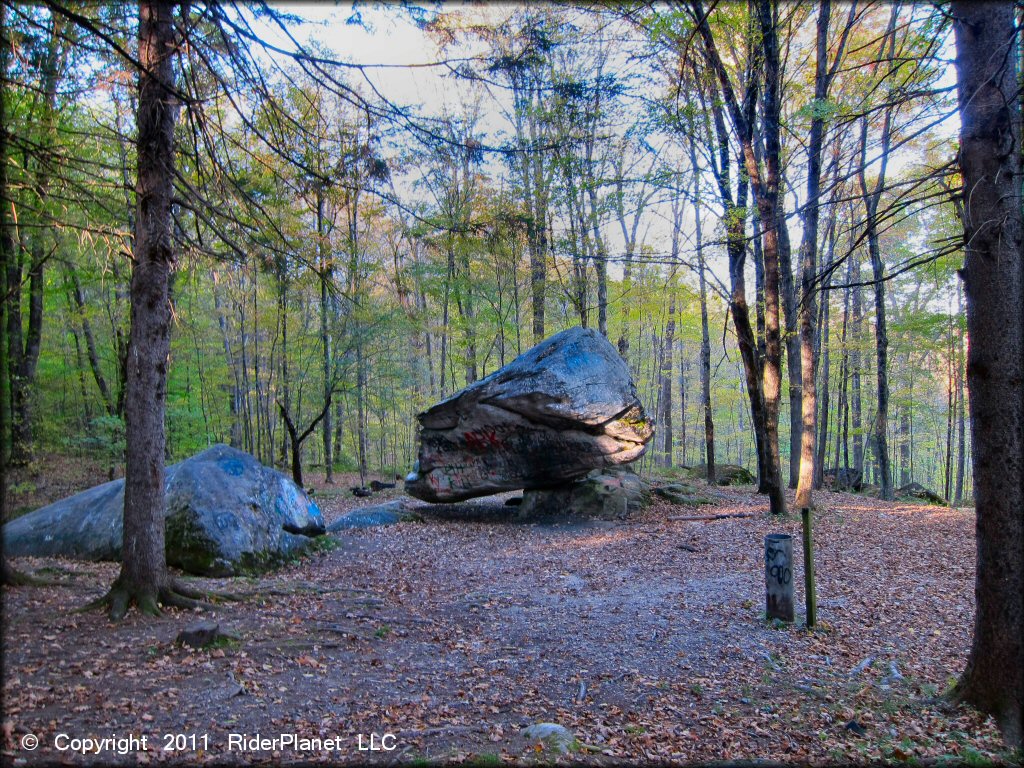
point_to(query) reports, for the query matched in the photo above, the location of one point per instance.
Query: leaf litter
(646, 638)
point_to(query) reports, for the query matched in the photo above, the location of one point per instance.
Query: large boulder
(226, 514)
(563, 408)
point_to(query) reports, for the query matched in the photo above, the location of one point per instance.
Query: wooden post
(810, 593)
(778, 576)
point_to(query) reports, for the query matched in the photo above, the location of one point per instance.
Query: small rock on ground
(552, 735)
(200, 634)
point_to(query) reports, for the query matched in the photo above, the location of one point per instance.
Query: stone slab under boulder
(610, 494)
(561, 409)
(378, 515)
(226, 514)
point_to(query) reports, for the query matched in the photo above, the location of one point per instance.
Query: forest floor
(646, 638)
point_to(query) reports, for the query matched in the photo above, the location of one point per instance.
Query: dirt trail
(645, 638)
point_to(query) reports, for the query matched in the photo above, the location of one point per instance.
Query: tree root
(206, 596)
(148, 599)
(11, 577)
(697, 518)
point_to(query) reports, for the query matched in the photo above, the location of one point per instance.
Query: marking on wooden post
(810, 592)
(778, 576)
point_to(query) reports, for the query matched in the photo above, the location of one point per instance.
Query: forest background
(354, 244)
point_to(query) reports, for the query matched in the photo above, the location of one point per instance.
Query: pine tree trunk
(6, 254)
(990, 161)
(144, 567)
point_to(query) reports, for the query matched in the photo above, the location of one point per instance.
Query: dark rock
(918, 491)
(679, 493)
(725, 474)
(856, 728)
(226, 514)
(609, 494)
(371, 517)
(200, 634)
(871, 490)
(549, 417)
(844, 479)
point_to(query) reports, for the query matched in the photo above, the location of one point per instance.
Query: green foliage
(324, 211)
(105, 439)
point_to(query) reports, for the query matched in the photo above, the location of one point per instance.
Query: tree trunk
(856, 322)
(775, 241)
(824, 369)
(326, 277)
(705, 336)
(990, 161)
(90, 342)
(6, 254)
(951, 398)
(736, 244)
(665, 400)
(842, 407)
(808, 266)
(961, 454)
(24, 354)
(144, 579)
(904, 445)
(871, 199)
(682, 405)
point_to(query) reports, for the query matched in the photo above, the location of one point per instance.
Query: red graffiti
(482, 440)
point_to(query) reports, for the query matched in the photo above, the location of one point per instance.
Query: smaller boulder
(844, 479)
(226, 514)
(725, 474)
(609, 494)
(918, 491)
